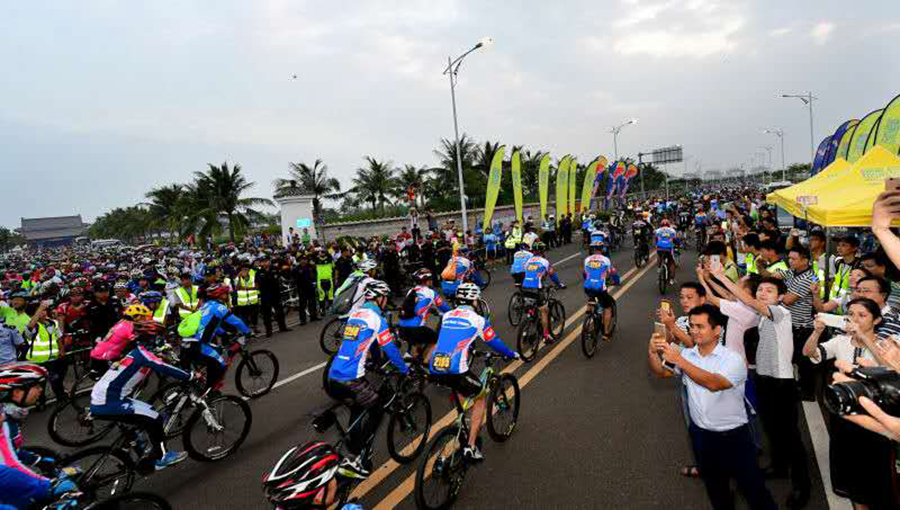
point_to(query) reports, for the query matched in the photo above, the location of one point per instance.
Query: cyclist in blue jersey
(419, 302)
(366, 328)
(215, 321)
(518, 266)
(600, 234)
(666, 244)
(449, 364)
(597, 269)
(536, 269)
(465, 271)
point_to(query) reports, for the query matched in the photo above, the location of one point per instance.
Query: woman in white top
(861, 482)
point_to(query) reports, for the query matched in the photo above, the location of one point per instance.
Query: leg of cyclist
(360, 397)
(215, 364)
(142, 415)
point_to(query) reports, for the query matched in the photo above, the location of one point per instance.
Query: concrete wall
(293, 209)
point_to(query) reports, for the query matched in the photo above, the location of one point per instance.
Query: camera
(881, 385)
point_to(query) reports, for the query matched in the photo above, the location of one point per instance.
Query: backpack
(189, 325)
(449, 272)
(408, 308)
(343, 301)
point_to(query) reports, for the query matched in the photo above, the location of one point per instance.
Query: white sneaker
(473, 453)
(353, 468)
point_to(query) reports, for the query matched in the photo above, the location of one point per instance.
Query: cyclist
(365, 273)
(414, 314)
(700, 223)
(640, 232)
(157, 304)
(365, 328)
(215, 321)
(597, 268)
(464, 271)
(600, 234)
(518, 266)
(21, 385)
(536, 269)
(449, 364)
(666, 240)
(110, 400)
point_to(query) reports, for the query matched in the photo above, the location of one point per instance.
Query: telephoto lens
(879, 384)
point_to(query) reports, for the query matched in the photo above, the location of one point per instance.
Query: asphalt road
(598, 433)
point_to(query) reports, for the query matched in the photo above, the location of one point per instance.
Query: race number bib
(441, 362)
(351, 332)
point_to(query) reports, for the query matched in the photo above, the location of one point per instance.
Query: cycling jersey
(596, 269)
(459, 328)
(700, 219)
(19, 486)
(217, 314)
(110, 394)
(586, 225)
(362, 329)
(426, 298)
(535, 269)
(116, 341)
(519, 260)
(665, 238)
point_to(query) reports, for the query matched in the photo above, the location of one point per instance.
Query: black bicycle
(530, 331)
(594, 327)
(516, 306)
(442, 470)
(641, 252)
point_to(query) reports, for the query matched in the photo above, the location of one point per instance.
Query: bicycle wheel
(503, 408)
(663, 278)
(514, 310)
(172, 402)
(216, 434)
(104, 472)
(557, 318)
(589, 336)
(441, 471)
(133, 501)
(409, 427)
(637, 257)
(482, 308)
(485, 275)
(528, 338)
(71, 423)
(330, 338)
(614, 319)
(257, 373)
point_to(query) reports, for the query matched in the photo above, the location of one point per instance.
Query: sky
(104, 100)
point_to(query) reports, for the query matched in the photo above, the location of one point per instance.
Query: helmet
(422, 275)
(664, 223)
(136, 312)
(376, 289)
(468, 292)
(151, 296)
(217, 291)
(539, 246)
(149, 328)
(596, 245)
(19, 294)
(464, 249)
(120, 285)
(367, 265)
(135, 273)
(20, 375)
(300, 477)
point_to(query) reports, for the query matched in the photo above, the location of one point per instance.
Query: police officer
(269, 283)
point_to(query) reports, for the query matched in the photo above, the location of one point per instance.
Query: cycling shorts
(466, 384)
(606, 300)
(420, 335)
(666, 255)
(536, 294)
(357, 392)
(518, 277)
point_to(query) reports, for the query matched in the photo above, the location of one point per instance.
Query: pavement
(592, 433)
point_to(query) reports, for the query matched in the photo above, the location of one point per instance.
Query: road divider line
(406, 487)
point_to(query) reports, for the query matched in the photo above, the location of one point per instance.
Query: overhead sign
(667, 155)
(304, 222)
(808, 200)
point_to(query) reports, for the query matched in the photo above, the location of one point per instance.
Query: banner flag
(562, 187)
(493, 187)
(820, 156)
(630, 174)
(544, 184)
(590, 175)
(861, 136)
(602, 162)
(573, 182)
(616, 170)
(844, 143)
(870, 141)
(887, 134)
(835, 141)
(516, 172)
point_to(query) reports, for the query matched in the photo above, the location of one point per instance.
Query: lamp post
(808, 99)
(615, 132)
(780, 134)
(452, 70)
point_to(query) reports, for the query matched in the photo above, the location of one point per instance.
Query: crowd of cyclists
(120, 314)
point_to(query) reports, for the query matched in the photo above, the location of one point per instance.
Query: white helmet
(468, 292)
(376, 289)
(367, 265)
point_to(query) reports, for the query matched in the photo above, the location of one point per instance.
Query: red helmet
(300, 478)
(148, 328)
(423, 275)
(217, 291)
(664, 223)
(20, 375)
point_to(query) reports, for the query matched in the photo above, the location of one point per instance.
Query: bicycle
(480, 266)
(516, 304)
(257, 372)
(594, 326)
(662, 269)
(332, 333)
(444, 462)
(131, 501)
(530, 331)
(641, 252)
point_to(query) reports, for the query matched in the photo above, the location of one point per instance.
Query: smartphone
(665, 306)
(715, 263)
(892, 184)
(832, 321)
(659, 329)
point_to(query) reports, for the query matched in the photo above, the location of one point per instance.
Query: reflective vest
(841, 283)
(750, 261)
(44, 347)
(324, 273)
(186, 299)
(820, 274)
(778, 266)
(247, 297)
(159, 315)
(514, 238)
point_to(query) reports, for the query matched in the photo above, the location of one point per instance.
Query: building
(54, 231)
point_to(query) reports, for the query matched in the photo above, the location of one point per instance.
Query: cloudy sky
(103, 100)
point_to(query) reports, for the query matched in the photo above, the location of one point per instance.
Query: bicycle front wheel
(330, 338)
(441, 471)
(409, 427)
(589, 336)
(104, 472)
(217, 433)
(528, 338)
(663, 279)
(257, 373)
(485, 275)
(133, 501)
(503, 408)
(514, 310)
(557, 318)
(482, 308)
(71, 423)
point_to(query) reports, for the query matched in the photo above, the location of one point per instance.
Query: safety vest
(187, 299)
(247, 297)
(27, 284)
(324, 273)
(159, 315)
(778, 266)
(820, 274)
(514, 238)
(841, 283)
(44, 347)
(750, 262)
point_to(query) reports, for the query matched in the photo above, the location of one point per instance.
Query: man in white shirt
(714, 378)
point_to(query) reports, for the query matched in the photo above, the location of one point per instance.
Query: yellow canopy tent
(846, 201)
(786, 198)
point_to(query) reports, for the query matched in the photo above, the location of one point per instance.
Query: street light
(452, 70)
(780, 134)
(808, 99)
(615, 131)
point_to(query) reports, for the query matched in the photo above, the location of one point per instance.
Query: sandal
(690, 471)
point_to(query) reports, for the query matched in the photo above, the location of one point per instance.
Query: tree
(10, 238)
(312, 180)
(485, 156)
(374, 183)
(219, 192)
(444, 189)
(411, 177)
(128, 224)
(168, 207)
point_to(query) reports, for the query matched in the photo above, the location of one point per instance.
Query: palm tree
(485, 156)
(374, 183)
(312, 180)
(445, 174)
(411, 177)
(167, 207)
(218, 192)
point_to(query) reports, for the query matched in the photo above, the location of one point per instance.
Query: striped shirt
(798, 283)
(893, 299)
(890, 324)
